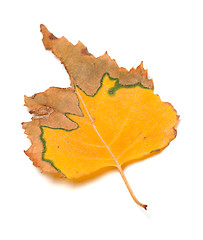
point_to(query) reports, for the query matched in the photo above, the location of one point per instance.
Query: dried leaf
(109, 117)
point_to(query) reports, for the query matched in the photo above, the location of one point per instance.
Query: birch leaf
(109, 117)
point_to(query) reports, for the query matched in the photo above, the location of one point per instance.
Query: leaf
(109, 117)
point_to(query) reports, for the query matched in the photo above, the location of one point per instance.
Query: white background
(167, 36)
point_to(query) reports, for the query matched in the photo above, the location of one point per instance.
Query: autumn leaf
(109, 117)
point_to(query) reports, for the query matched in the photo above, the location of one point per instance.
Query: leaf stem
(130, 189)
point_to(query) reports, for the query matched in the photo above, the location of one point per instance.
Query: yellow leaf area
(120, 123)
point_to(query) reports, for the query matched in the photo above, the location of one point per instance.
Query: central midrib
(114, 158)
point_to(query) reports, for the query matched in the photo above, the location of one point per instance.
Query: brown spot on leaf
(84, 51)
(155, 150)
(52, 37)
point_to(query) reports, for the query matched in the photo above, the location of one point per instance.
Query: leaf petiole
(130, 189)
